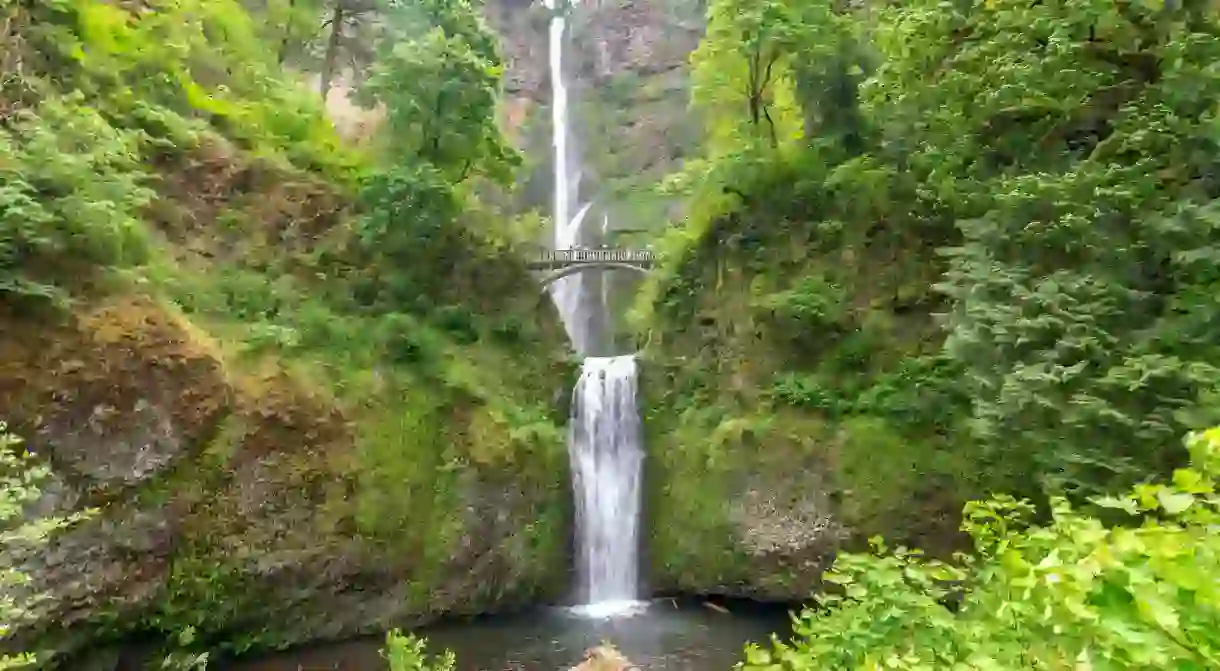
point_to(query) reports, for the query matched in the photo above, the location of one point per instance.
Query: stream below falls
(666, 635)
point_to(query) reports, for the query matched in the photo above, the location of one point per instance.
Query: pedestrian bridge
(560, 263)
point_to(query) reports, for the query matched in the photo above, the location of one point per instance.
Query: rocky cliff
(747, 497)
(265, 468)
(627, 63)
(795, 408)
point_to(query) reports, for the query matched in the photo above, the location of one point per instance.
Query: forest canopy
(971, 246)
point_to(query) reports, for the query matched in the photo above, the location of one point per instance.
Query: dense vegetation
(934, 250)
(940, 249)
(340, 338)
(937, 250)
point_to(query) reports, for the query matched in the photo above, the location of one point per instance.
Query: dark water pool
(663, 635)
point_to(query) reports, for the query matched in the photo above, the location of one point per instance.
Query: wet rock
(788, 534)
(230, 502)
(605, 657)
(113, 395)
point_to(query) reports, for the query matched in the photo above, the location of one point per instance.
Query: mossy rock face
(248, 502)
(796, 407)
(122, 373)
(755, 502)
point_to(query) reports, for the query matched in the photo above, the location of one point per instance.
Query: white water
(604, 441)
(605, 283)
(606, 453)
(570, 293)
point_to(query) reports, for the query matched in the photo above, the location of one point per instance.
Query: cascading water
(570, 293)
(604, 442)
(605, 449)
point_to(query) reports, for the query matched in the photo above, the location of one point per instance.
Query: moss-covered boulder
(246, 501)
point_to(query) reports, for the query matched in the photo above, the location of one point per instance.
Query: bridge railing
(557, 256)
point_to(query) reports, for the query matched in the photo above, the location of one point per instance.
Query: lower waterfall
(606, 453)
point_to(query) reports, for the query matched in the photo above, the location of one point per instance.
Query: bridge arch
(551, 277)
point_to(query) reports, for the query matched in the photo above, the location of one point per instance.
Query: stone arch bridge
(559, 263)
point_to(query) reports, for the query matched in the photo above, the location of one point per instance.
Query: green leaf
(1174, 503)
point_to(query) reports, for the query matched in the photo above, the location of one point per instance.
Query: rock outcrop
(627, 71)
(253, 504)
(605, 657)
(270, 495)
(787, 418)
(757, 500)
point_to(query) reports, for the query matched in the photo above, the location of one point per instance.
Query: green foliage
(71, 189)
(407, 652)
(747, 62)
(1073, 152)
(919, 392)
(182, 659)
(1075, 593)
(197, 577)
(439, 84)
(984, 228)
(20, 474)
(97, 94)
(199, 60)
(813, 303)
(440, 94)
(412, 221)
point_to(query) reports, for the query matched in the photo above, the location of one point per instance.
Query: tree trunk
(332, 50)
(292, 5)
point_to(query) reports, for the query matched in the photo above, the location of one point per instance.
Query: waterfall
(570, 294)
(604, 441)
(605, 449)
(606, 305)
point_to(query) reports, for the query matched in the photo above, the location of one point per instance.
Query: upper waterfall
(580, 306)
(563, 186)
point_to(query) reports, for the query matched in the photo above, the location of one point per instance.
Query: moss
(799, 356)
(193, 481)
(404, 479)
(312, 447)
(891, 481)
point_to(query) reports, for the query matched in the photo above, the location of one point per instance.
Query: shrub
(20, 474)
(407, 652)
(71, 191)
(1072, 594)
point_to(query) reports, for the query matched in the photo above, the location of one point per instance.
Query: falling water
(604, 442)
(604, 446)
(570, 293)
(606, 324)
